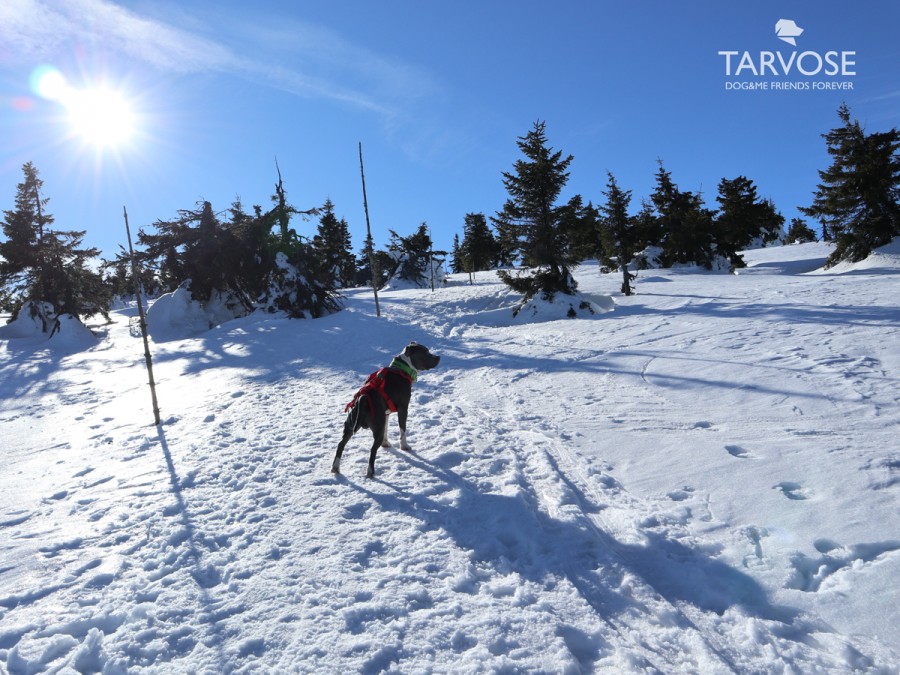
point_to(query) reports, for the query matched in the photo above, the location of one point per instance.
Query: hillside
(703, 477)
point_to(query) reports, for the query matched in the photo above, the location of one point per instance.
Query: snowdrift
(68, 335)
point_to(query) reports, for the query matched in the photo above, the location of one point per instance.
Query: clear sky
(158, 104)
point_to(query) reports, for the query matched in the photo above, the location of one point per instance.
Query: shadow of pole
(205, 576)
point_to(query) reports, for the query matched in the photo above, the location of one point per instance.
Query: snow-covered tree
(46, 270)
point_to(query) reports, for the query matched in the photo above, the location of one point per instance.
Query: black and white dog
(387, 390)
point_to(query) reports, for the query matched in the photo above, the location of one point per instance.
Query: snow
(701, 478)
(177, 315)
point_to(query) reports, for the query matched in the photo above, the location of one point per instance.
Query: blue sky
(436, 92)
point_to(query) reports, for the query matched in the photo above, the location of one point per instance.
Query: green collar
(400, 364)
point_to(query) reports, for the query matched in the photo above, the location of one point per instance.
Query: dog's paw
(387, 444)
(406, 447)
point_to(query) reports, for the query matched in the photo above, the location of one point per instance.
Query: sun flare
(98, 115)
(101, 117)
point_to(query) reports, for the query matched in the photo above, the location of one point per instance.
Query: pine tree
(46, 269)
(411, 256)
(457, 263)
(685, 225)
(332, 247)
(479, 248)
(858, 199)
(619, 228)
(799, 232)
(580, 224)
(205, 265)
(253, 261)
(532, 217)
(743, 219)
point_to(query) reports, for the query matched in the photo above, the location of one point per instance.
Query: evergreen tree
(532, 217)
(685, 225)
(348, 265)
(22, 268)
(479, 248)
(743, 219)
(509, 241)
(332, 247)
(252, 261)
(43, 268)
(364, 272)
(457, 263)
(580, 224)
(119, 280)
(647, 230)
(858, 199)
(411, 256)
(799, 232)
(619, 229)
(251, 257)
(298, 283)
(205, 263)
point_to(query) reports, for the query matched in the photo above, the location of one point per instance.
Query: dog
(387, 390)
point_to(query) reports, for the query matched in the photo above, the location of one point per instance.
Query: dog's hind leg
(370, 471)
(351, 424)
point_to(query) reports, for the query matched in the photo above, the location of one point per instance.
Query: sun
(100, 116)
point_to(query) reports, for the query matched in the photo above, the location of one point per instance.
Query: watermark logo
(795, 70)
(788, 30)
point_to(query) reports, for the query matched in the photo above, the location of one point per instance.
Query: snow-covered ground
(703, 479)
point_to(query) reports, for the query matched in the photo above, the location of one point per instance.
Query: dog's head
(420, 357)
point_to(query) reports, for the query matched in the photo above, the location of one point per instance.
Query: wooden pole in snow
(143, 321)
(369, 233)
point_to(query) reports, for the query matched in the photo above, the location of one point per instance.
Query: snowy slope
(704, 479)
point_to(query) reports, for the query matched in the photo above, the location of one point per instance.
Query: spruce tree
(619, 229)
(457, 263)
(799, 232)
(411, 256)
(685, 225)
(858, 199)
(332, 247)
(479, 248)
(46, 269)
(532, 217)
(744, 220)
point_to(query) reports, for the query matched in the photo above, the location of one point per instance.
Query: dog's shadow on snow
(512, 533)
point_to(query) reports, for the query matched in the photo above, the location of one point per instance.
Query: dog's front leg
(401, 420)
(385, 443)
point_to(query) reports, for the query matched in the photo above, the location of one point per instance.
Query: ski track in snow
(685, 484)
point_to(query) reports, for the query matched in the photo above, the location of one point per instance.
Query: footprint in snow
(810, 574)
(13, 518)
(793, 491)
(738, 451)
